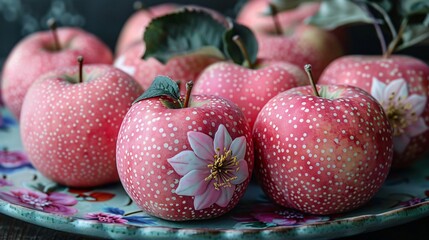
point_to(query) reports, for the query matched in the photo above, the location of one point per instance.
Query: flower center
(398, 113)
(37, 202)
(223, 168)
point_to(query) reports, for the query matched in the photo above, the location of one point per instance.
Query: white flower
(212, 169)
(404, 112)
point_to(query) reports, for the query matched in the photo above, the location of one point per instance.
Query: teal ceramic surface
(108, 212)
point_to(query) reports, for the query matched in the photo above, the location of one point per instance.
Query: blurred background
(105, 18)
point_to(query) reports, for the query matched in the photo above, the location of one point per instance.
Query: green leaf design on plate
(232, 51)
(162, 86)
(184, 32)
(335, 13)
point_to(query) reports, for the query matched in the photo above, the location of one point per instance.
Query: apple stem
(52, 23)
(243, 50)
(394, 44)
(307, 69)
(189, 86)
(80, 60)
(275, 17)
(139, 6)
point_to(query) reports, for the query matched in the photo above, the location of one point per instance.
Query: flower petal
(62, 198)
(225, 196)
(398, 88)
(400, 143)
(418, 102)
(193, 183)
(208, 198)
(222, 139)
(243, 172)
(60, 209)
(377, 89)
(186, 161)
(202, 144)
(417, 128)
(13, 199)
(238, 147)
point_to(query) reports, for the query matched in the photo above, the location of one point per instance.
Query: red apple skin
(133, 29)
(252, 15)
(359, 71)
(32, 57)
(183, 68)
(307, 44)
(69, 130)
(250, 89)
(322, 156)
(150, 134)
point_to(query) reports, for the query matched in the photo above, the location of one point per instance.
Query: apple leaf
(335, 13)
(233, 51)
(414, 34)
(162, 86)
(184, 32)
(413, 7)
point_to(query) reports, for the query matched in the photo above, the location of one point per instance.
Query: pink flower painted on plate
(106, 217)
(5, 183)
(212, 169)
(58, 203)
(403, 111)
(12, 159)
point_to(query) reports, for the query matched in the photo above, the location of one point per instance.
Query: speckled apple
(69, 128)
(322, 155)
(249, 88)
(151, 157)
(361, 71)
(36, 55)
(134, 27)
(182, 68)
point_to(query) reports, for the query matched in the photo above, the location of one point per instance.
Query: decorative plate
(108, 211)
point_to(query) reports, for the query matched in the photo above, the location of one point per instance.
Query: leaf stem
(386, 18)
(394, 44)
(189, 86)
(52, 24)
(237, 40)
(377, 27)
(274, 15)
(80, 61)
(307, 69)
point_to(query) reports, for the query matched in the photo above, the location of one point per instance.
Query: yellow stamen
(221, 170)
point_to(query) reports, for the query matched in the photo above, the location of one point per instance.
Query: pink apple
(36, 55)
(69, 127)
(182, 68)
(254, 14)
(191, 162)
(322, 155)
(249, 88)
(133, 29)
(297, 43)
(401, 84)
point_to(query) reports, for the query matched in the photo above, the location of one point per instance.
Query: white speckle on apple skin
(334, 172)
(359, 71)
(138, 143)
(69, 130)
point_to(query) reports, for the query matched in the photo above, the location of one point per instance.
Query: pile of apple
(186, 116)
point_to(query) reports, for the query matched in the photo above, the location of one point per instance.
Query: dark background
(105, 18)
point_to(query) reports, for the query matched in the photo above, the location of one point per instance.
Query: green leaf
(412, 7)
(161, 86)
(231, 49)
(184, 32)
(335, 13)
(415, 34)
